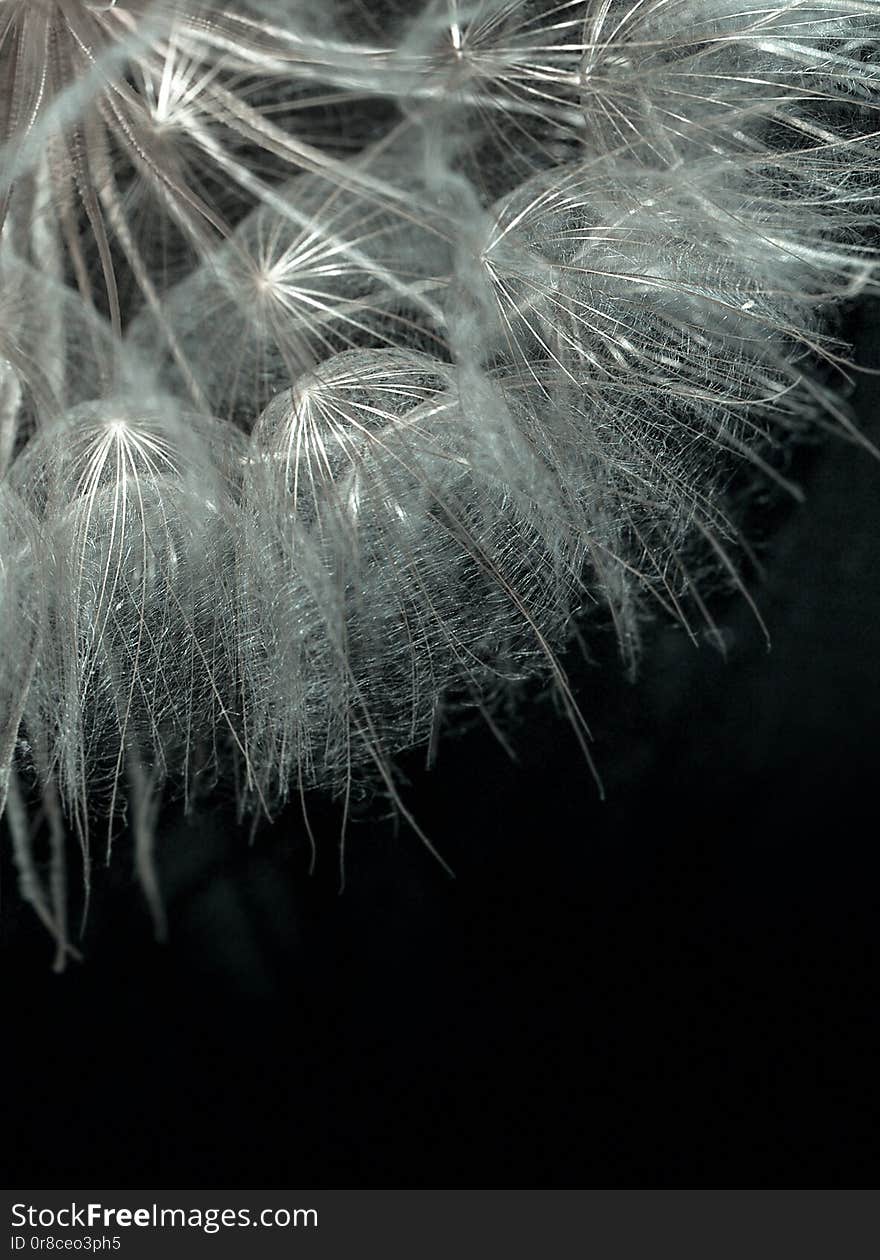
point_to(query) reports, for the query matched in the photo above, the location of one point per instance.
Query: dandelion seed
(314, 270)
(669, 80)
(131, 668)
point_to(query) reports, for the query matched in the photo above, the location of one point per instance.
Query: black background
(674, 987)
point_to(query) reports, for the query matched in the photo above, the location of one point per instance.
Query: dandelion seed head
(351, 356)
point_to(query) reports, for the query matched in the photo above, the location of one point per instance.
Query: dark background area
(674, 987)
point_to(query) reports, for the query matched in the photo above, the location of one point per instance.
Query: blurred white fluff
(352, 355)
